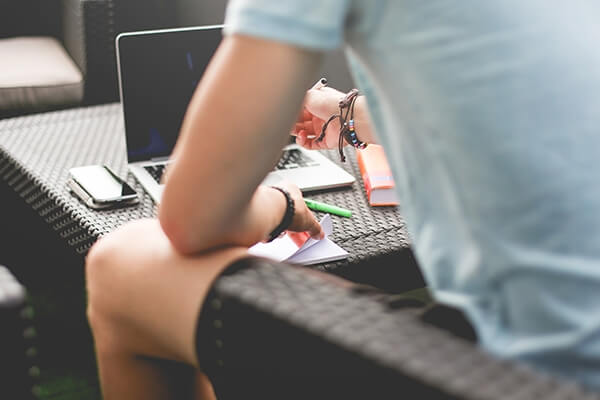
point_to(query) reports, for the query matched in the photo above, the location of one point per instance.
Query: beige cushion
(36, 73)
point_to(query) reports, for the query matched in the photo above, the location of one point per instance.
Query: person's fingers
(310, 144)
(317, 125)
(310, 224)
(303, 126)
(304, 219)
(329, 142)
(308, 127)
(308, 140)
(303, 115)
(306, 115)
(315, 231)
(319, 105)
(301, 139)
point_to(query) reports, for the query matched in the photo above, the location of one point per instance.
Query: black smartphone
(99, 187)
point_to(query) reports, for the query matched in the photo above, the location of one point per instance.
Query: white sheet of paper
(279, 249)
(310, 252)
(324, 251)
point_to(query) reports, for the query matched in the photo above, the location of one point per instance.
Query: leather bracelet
(287, 217)
(346, 119)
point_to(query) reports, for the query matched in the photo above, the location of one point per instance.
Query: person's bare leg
(143, 304)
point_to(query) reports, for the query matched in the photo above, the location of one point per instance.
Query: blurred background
(60, 53)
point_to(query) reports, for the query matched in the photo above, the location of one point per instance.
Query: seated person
(487, 111)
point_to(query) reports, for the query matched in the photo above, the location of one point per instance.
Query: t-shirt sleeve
(313, 24)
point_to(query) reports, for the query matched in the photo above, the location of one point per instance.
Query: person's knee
(115, 268)
(100, 265)
(108, 273)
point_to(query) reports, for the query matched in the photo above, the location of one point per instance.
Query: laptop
(158, 72)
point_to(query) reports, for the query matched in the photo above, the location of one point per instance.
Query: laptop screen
(158, 73)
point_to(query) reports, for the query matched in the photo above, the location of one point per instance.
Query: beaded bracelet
(287, 217)
(347, 131)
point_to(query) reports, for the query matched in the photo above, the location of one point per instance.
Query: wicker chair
(17, 341)
(61, 53)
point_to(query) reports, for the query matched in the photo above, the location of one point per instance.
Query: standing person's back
(489, 114)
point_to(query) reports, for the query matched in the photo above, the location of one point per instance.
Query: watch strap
(286, 221)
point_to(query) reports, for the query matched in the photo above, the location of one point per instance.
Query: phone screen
(101, 183)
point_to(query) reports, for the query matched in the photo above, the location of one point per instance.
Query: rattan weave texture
(37, 151)
(418, 357)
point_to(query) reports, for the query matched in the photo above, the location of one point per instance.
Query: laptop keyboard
(294, 158)
(290, 159)
(156, 171)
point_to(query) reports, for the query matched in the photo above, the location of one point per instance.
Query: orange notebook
(377, 176)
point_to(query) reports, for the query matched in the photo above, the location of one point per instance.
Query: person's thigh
(144, 296)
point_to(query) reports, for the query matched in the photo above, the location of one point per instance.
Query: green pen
(318, 206)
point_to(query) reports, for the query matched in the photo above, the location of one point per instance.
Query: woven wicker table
(37, 151)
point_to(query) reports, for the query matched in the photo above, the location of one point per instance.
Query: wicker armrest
(363, 348)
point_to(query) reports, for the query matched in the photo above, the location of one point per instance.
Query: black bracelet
(287, 217)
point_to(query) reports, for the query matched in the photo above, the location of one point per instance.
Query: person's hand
(319, 105)
(266, 211)
(304, 220)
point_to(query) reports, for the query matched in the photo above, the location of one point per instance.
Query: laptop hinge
(159, 159)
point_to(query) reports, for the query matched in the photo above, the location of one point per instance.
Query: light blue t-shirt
(489, 112)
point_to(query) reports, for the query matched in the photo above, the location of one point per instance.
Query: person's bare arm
(232, 135)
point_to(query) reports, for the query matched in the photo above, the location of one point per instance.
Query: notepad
(300, 248)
